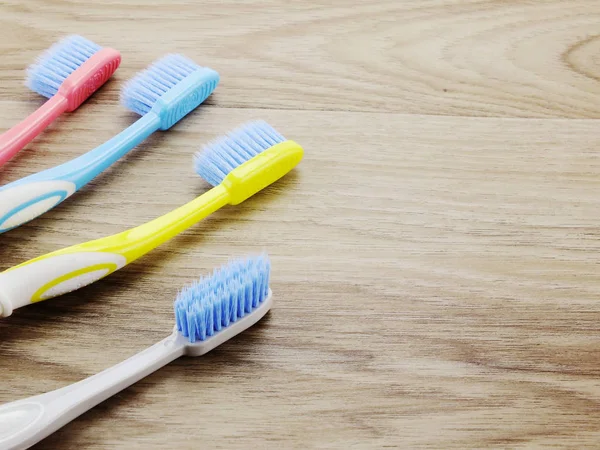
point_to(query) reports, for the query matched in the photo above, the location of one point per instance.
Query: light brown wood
(435, 271)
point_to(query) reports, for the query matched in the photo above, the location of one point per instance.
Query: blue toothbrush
(207, 313)
(163, 94)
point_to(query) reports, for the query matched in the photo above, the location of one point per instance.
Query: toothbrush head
(216, 308)
(247, 160)
(171, 87)
(75, 67)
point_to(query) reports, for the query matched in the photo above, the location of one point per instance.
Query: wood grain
(476, 58)
(435, 272)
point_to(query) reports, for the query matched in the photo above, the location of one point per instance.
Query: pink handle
(21, 134)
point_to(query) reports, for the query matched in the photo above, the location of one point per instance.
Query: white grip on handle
(25, 202)
(53, 276)
(27, 421)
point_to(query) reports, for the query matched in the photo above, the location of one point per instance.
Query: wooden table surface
(435, 256)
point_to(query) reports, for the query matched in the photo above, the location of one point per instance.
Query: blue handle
(80, 171)
(32, 196)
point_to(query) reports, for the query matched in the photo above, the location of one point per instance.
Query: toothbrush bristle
(221, 156)
(58, 62)
(141, 92)
(230, 293)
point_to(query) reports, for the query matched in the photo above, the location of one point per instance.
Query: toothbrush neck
(81, 396)
(146, 237)
(88, 166)
(13, 140)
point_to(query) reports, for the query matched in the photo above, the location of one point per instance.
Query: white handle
(27, 421)
(24, 202)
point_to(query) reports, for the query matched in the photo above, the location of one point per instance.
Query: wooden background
(435, 255)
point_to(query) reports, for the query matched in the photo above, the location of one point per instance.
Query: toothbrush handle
(32, 196)
(27, 421)
(13, 140)
(74, 267)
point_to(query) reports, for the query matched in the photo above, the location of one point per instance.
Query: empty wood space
(435, 256)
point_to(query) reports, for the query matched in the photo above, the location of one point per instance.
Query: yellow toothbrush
(238, 166)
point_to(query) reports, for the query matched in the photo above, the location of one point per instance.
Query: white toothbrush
(207, 313)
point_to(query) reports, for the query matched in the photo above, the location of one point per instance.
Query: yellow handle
(71, 268)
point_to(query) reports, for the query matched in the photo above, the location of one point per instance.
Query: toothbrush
(67, 73)
(238, 165)
(207, 313)
(162, 94)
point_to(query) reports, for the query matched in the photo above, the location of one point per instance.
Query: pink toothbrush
(67, 73)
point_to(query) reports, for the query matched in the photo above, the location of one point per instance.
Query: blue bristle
(230, 293)
(58, 62)
(218, 158)
(141, 92)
